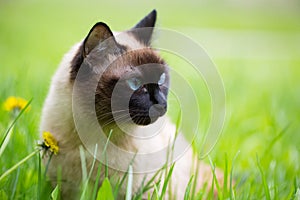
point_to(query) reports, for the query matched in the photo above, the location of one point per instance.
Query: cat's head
(132, 79)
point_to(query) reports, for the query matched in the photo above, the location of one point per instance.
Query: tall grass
(256, 49)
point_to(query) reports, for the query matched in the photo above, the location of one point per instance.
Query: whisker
(118, 118)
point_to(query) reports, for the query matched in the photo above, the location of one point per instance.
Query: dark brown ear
(97, 34)
(147, 23)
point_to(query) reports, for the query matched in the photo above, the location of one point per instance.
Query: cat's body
(59, 119)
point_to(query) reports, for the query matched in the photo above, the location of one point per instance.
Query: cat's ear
(97, 34)
(148, 23)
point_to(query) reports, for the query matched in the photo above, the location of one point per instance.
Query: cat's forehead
(143, 61)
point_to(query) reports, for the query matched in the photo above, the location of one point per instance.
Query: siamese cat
(119, 80)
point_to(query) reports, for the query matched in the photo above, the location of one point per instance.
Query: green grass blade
(14, 122)
(6, 141)
(86, 182)
(39, 184)
(188, 189)
(83, 163)
(94, 161)
(225, 189)
(195, 179)
(263, 178)
(97, 181)
(150, 184)
(275, 139)
(15, 185)
(105, 191)
(155, 192)
(297, 194)
(295, 190)
(104, 153)
(9, 131)
(212, 194)
(170, 149)
(47, 165)
(231, 176)
(215, 180)
(55, 193)
(178, 122)
(140, 190)
(6, 173)
(123, 178)
(119, 184)
(129, 183)
(296, 187)
(3, 195)
(166, 181)
(202, 193)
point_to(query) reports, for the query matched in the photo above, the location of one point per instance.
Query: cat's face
(135, 86)
(132, 82)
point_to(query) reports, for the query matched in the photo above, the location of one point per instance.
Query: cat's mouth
(146, 118)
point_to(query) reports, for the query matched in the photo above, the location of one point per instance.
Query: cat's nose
(157, 110)
(160, 99)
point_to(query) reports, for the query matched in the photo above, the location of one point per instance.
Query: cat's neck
(119, 137)
(127, 135)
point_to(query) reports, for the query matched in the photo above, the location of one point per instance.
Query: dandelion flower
(50, 143)
(14, 103)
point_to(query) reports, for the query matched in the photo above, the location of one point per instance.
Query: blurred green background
(254, 44)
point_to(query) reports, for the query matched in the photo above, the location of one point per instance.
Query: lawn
(255, 47)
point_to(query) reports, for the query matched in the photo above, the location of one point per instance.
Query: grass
(255, 47)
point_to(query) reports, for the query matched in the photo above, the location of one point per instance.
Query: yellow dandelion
(14, 103)
(50, 143)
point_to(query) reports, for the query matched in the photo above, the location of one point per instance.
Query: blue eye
(134, 83)
(162, 79)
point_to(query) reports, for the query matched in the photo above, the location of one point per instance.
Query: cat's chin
(154, 113)
(144, 121)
